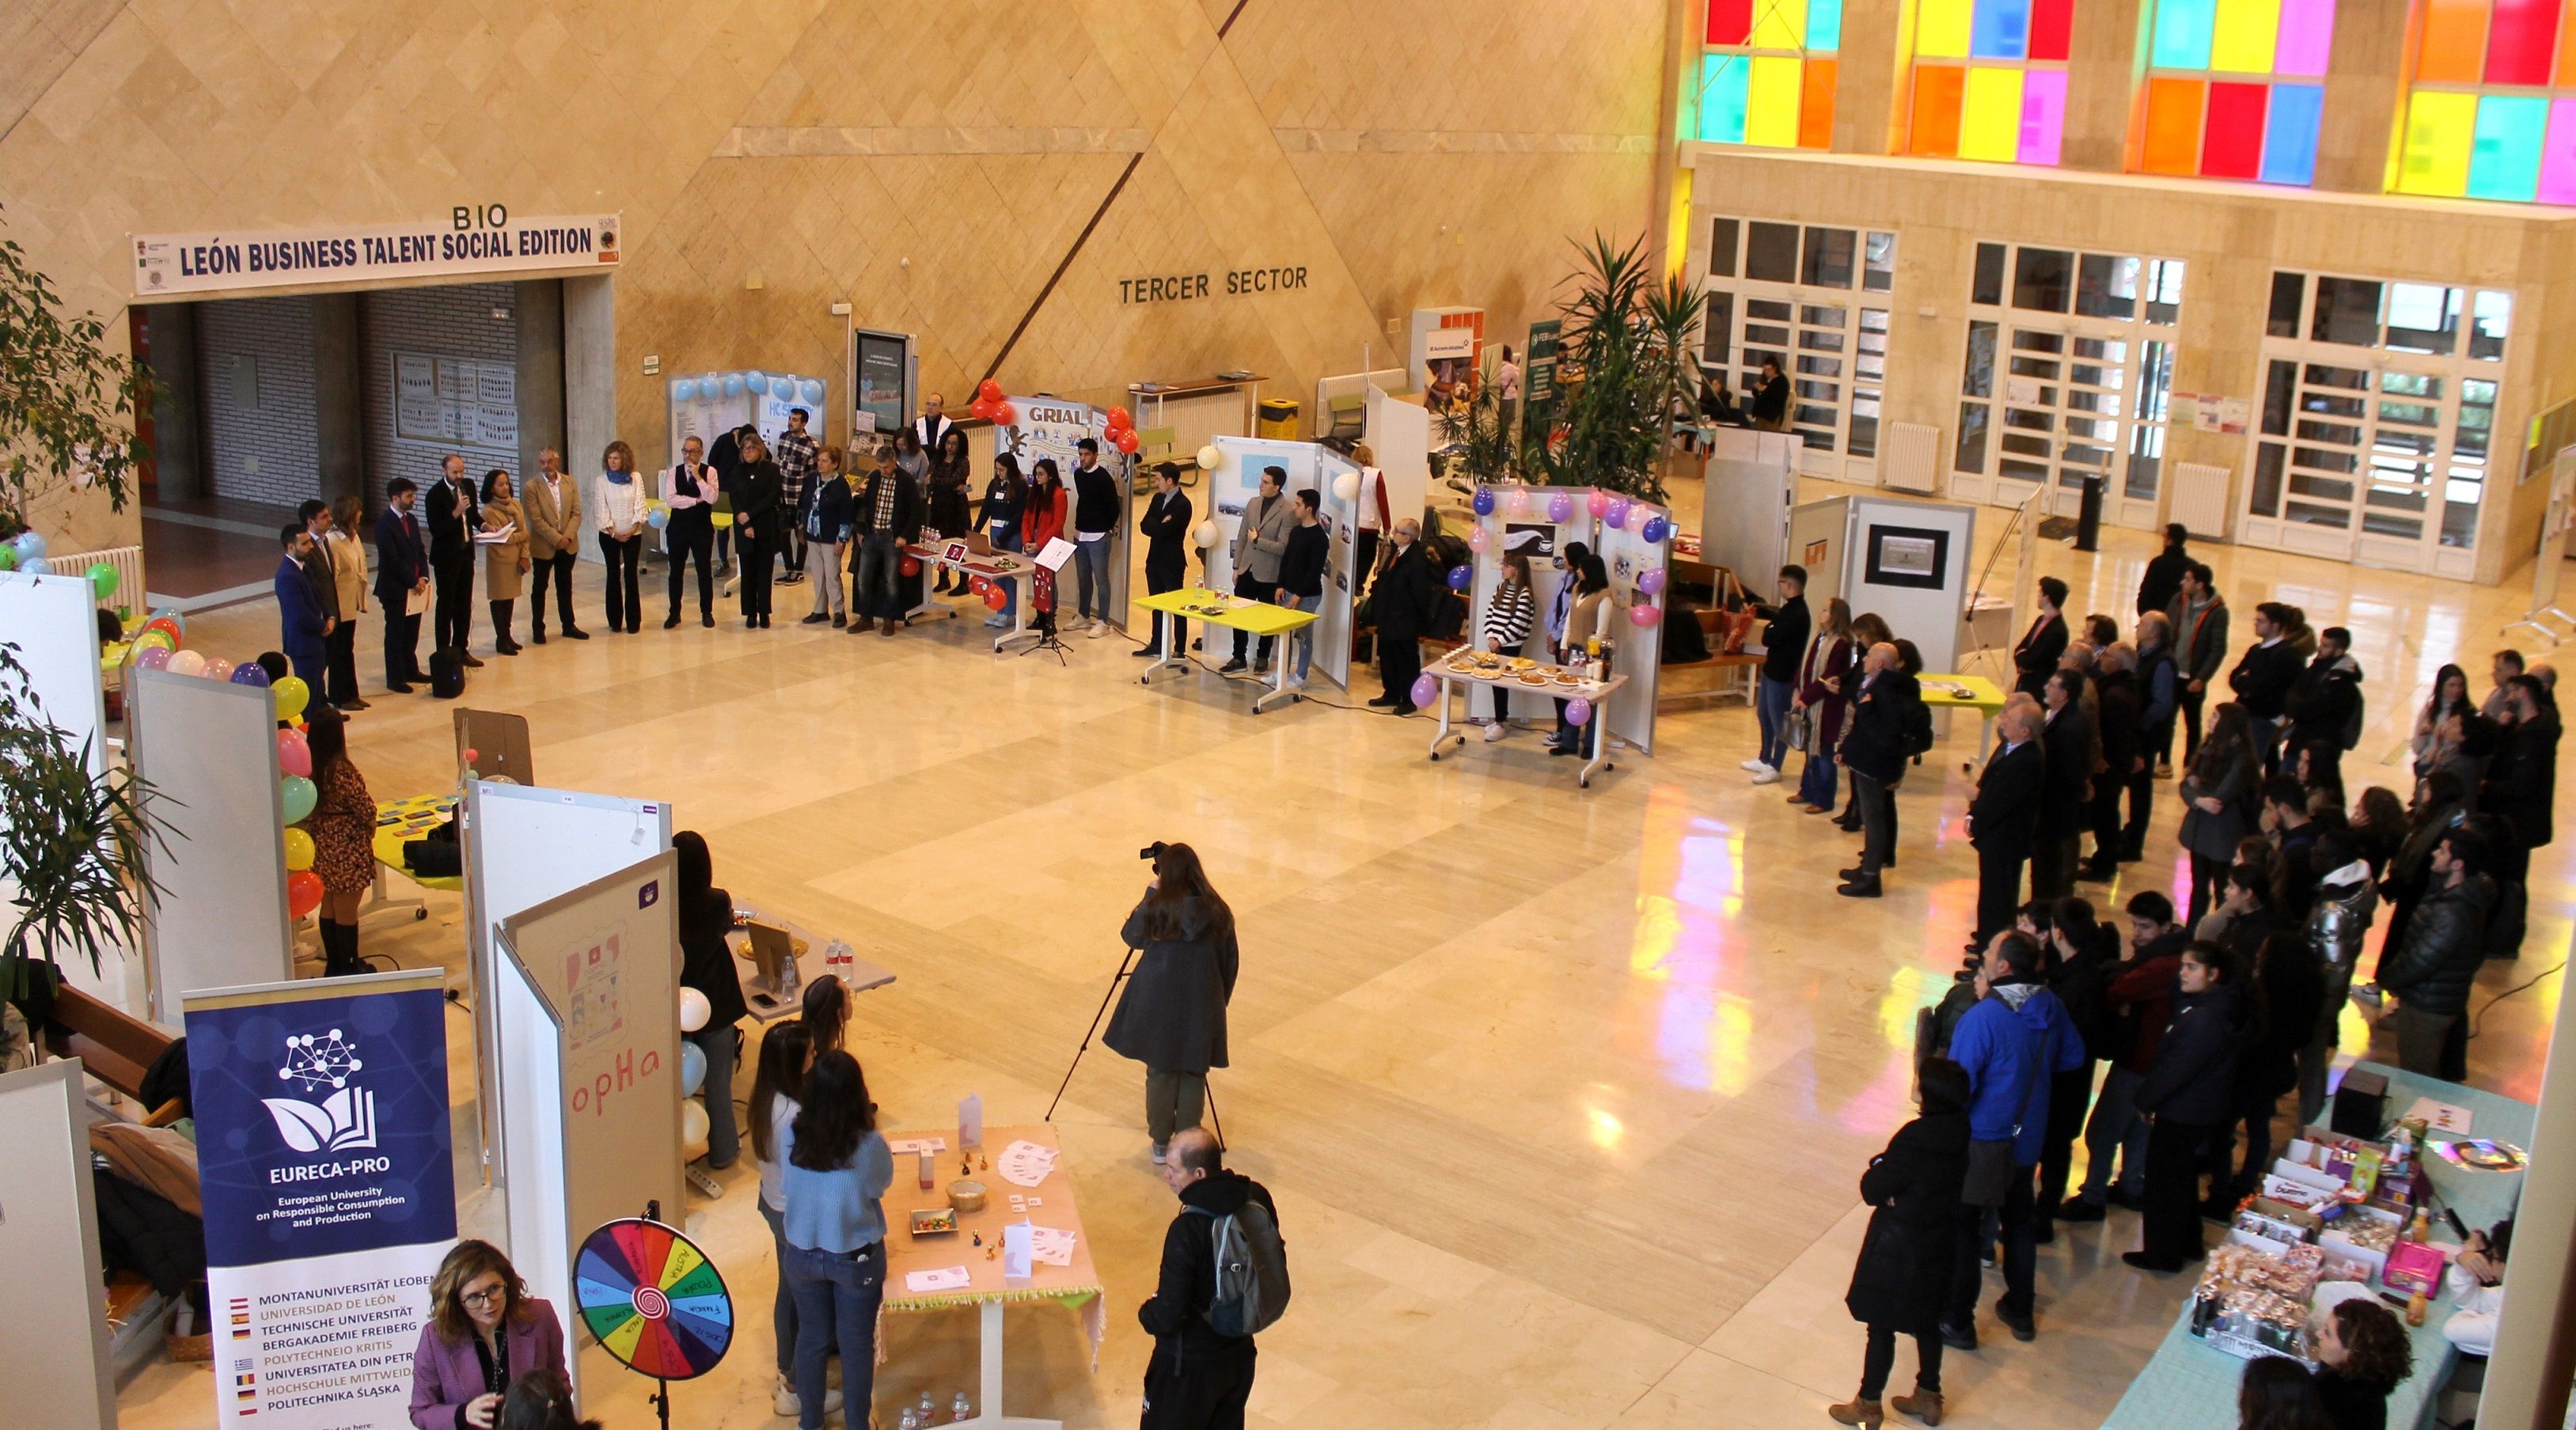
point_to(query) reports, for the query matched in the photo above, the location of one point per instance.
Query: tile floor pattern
(1564, 1096)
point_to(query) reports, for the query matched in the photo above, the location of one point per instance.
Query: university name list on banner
(472, 242)
(330, 1195)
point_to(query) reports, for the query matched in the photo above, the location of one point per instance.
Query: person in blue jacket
(2011, 1043)
(301, 621)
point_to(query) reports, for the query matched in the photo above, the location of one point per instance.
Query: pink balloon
(1598, 503)
(1644, 616)
(294, 756)
(1578, 711)
(1516, 501)
(1478, 539)
(154, 657)
(217, 668)
(1425, 689)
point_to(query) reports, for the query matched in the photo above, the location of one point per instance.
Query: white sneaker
(1493, 731)
(1753, 766)
(784, 1401)
(1766, 776)
(997, 620)
(1099, 629)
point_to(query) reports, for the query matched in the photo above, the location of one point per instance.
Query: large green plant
(65, 401)
(71, 843)
(1629, 336)
(1479, 435)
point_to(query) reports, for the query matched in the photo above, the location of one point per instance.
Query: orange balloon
(303, 892)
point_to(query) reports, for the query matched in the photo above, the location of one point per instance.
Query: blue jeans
(837, 1296)
(1006, 537)
(2115, 1128)
(1301, 646)
(1771, 712)
(782, 1312)
(1091, 570)
(1818, 783)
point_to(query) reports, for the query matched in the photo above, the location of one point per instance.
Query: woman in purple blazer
(484, 1331)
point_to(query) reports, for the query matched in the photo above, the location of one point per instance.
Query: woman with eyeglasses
(484, 1332)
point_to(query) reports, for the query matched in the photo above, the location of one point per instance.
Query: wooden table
(1077, 1285)
(955, 553)
(767, 1006)
(1980, 695)
(1241, 613)
(398, 822)
(1449, 672)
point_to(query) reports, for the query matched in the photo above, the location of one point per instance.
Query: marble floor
(1563, 1095)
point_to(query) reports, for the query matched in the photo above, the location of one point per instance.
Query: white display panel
(1400, 439)
(1890, 548)
(52, 623)
(209, 750)
(534, 1202)
(49, 1256)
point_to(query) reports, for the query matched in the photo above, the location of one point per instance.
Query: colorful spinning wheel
(653, 1299)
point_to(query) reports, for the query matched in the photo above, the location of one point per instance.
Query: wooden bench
(1720, 677)
(113, 1047)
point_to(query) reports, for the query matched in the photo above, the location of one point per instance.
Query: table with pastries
(1522, 676)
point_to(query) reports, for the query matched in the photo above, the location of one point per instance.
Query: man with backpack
(1224, 1278)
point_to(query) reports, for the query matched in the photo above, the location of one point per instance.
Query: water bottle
(929, 1412)
(911, 1421)
(960, 1410)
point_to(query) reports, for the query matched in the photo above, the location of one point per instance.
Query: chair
(1347, 417)
(1156, 445)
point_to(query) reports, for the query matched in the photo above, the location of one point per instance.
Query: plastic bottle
(929, 1412)
(2421, 1227)
(961, 1409)
(911, 1421)
(2416, 1306)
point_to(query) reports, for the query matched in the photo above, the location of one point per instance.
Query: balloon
(658, 518)
(782, 388)
(250, 672)
(694, 1011)
(472, 754)
(36, 566)
(292, 696)
(1656, 529)
(1578, 711)
(908, 566)
(996, 598)
(1460, 577)
(1644, 616)
(187, 662)
(1560, 507)
(1126, 441)
(1483, 501)
(102, 579)
(298, 794)
(754, 380)
(1516, 502)
(154, 657)
(979, 584)
(811, 390)
(684, 390)
(299, 850)
(1346, 487)
(1617, 515)
(8, 557)
(733, 384)
(293, 755)
(303, 892)
(1651, 580)
(1478, 539)
(693, 1068)
(708, 386)
(1598, 503)
(1425, 689)
(989, 390)
(1006, 414)
(149, 639)
(30, 546)
(217, 668)
(982, 409)
(1211, 457)
(693, 1122)
(169, 624)
(1119, 421)
(1203, 535)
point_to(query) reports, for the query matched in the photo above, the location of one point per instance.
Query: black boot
(335, 957)
(501, 642)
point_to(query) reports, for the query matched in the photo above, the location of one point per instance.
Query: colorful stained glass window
(1766, 75)
(1989, 80)
(2235, 89)
(2491, 107)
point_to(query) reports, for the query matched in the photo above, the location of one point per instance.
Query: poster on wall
(329, 1189)
(880, 379)
(1048, 427)
(459, 402)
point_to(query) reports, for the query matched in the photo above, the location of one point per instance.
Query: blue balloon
(812, 392)
(251, 672)
(693, 1068)
(1459, 576)
(782, 388)
(1656, 529)
(709, 386)
(1484, 501)
(755, 378)
(684, 390)
(733, 384)
(658, 517)
(36, 566)
(30, 546)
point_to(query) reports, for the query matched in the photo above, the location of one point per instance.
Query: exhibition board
(49, 1255)
(1750, 484)
(50, 624)
(1049, 427)
(1545, 520)
(208, 751)
(1235, 483)
(1905, 560)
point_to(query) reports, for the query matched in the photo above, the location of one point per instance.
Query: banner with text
(471, 244)
(330, 1193)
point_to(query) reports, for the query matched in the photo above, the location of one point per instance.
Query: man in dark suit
(2264, 675)
(454, 517)
(402, 573)
(1166, 529)
(301, 623)
(2044, 642)
(1401, 610)
(2163, 581)
(932, 425)
(2067, 737)
(2003, 819)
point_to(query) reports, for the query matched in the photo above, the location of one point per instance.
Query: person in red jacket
(2141, 994)
(1042, 521)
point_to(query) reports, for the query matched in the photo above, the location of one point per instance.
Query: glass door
(1812, 300)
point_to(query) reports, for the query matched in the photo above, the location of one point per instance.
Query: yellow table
(1967, 692)
(398, 822)
(1241, 613)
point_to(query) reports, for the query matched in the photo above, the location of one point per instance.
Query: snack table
(1458, 668)
(1076, 1285)
(1980, 695)
(1239, 613)
(768, 1005)
(2191, 1385)
(958, 554)
(398, 822)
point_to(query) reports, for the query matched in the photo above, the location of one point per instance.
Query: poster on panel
(1236, 484)
(1908, 561)
(711, 404)
(329, 1186)
(1051, 428)
(63, 1377)
(1336, 483)
(595, 1081)
(1629, 556)
(209, 751)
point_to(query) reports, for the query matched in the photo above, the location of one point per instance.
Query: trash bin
(2088, 519)
(1278, 418)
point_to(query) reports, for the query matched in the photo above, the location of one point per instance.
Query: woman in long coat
(1902, 1276)
(505, 565)
(1172, 1017)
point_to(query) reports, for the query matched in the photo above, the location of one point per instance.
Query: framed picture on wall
(1539, 546)
(1908, 556)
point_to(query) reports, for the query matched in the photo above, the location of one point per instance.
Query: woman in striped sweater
(1507, 625)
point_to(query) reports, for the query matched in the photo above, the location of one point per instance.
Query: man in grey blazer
(1259, 541)
(552, 506)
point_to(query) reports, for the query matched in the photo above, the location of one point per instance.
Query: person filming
(1172, 1016)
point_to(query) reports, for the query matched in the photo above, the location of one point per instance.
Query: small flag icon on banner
(240, 1309)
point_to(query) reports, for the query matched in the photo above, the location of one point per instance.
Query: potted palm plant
(1630, 336)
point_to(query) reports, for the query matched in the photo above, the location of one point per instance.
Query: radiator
(1906, 457)
(128, 563)
(1195, 418)
(2200, 499)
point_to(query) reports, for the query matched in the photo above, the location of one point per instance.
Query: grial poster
(329, 1191)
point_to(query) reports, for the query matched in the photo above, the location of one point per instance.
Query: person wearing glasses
(484, 1331)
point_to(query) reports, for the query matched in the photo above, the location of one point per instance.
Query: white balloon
(1204, 534)
(693, 1123)
(694, 1010)
(1211, 457)
(186, 662)
(1346, 487)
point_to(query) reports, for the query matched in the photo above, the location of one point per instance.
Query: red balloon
(1125, 442)
(909, 567)
(979, 584)
(989, 390)
(997, 598)
(1119, 421)
(303, 892)
(1005, 413)
(981, 409)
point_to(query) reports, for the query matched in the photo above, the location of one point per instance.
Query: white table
(954, 553)
(767, 1006)
(1449, 673)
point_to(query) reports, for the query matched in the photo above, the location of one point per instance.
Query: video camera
(1153, 850)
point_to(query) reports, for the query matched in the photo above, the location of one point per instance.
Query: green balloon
(102, 579)
(8, 557)
(300, 795)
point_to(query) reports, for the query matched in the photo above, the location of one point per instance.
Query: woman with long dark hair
(707, 964)
(837, 1169)
(2277, 1394)
(2451, 734)
(1172, 1016)
(947, 497)
(826, 1012)
(343, 827)
(1004, 497)
(484, 1332)
(2219, 797)
(1042, 520)
(1833, 653)
(777, 1082)
(541, 1400)
(1589, 616)
(1901, 1278)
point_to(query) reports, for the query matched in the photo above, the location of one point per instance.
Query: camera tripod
(1126, 965)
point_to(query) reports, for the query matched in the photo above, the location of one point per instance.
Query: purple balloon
(1560, 507)
(153, 657)
(1617, 515)
(1578, 711)
(1426, 688)
(251, 672)
(1651, 580)
(1459, 577)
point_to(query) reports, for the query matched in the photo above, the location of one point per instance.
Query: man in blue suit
(402, 573)
(301, 620)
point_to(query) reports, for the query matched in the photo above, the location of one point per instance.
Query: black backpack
(1918, 729)
(446, 674)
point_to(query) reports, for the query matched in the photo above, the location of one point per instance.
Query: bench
(1720, 677)
(113, 1047)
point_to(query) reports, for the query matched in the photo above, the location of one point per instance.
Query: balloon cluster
(27, 553)
(989, 591)
(991, 405)
(1122, 431)
(695, 1010)
(776, 385)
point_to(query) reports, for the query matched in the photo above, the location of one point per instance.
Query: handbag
(1802, 729)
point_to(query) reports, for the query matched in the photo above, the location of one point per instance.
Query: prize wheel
(653, 1299)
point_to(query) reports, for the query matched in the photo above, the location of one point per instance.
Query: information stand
(1547, 520)
(49, 1255)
